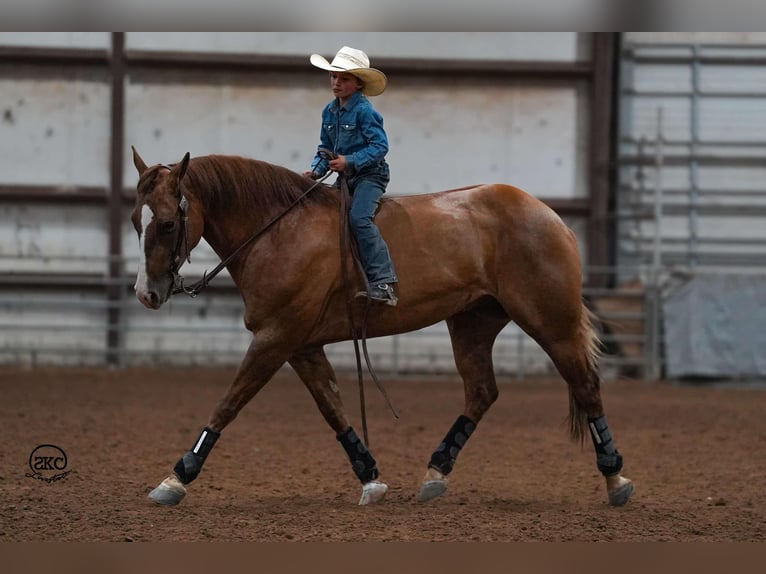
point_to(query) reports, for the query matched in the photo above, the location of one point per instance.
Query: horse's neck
(223, 235)
(229, 230)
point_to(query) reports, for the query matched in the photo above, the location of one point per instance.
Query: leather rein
(183, 244)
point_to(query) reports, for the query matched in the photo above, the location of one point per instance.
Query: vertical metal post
(652, 369)
(600, 232)
(114, 287)
(658, 160)
(693, 165)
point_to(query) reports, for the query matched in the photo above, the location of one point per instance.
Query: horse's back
(486, 207)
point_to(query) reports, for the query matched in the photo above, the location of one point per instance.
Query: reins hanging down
(347, 247)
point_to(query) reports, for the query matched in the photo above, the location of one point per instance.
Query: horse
(477, 257)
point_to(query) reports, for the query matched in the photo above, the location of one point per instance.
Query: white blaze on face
(146, 218)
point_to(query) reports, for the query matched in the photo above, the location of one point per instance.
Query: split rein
(194, 290)
(345, 246)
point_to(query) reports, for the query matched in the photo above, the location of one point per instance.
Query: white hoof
(434, 485)
(618, 489)
(170, 492)
(372, 492)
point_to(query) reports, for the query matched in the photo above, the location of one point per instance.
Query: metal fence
(55, 322)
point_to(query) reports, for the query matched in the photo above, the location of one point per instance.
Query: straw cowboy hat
(357, 63)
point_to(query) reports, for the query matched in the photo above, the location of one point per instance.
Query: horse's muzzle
(154, 293)
(149, 299)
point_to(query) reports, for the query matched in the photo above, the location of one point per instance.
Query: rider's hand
(311, 174)
(338, 164)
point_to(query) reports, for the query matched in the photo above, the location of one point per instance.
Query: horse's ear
(138, 162)
(180, 168)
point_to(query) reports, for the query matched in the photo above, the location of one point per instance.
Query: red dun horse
(476, 257)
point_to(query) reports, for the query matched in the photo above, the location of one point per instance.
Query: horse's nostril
(154, 298)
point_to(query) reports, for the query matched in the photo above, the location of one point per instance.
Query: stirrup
(381, 293)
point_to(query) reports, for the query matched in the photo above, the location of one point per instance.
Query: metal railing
(64, 319)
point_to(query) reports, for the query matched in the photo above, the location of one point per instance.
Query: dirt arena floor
(696, 455)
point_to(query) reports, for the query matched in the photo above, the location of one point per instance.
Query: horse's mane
(225, 182)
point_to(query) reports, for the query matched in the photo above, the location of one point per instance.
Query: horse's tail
(578, 419)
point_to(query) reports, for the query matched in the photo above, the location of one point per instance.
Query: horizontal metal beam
(718, 60)
(577, 207)
(648, 143)
(57, 56)
(55, 194)
(684, 159)
(718, 193)
(250, 62)
(688, 93)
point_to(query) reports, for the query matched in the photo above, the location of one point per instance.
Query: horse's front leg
(317, 374)
(254, 372)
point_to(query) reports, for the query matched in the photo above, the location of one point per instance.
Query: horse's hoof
(619, 490)
(170, 492)
(372, 492)
(432, 489)
(433, 486)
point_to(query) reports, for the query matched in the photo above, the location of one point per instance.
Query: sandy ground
(696, 455)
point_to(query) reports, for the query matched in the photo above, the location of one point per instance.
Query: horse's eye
(167, 227)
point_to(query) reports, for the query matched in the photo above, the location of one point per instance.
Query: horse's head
(160, 218)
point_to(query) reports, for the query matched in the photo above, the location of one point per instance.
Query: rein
(347, 246)
(194, 290)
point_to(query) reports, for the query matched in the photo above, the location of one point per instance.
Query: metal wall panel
(53, 130)
(274, 118)
(443, 133)
(37, 238)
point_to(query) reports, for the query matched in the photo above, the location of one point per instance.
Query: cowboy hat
(357, 63)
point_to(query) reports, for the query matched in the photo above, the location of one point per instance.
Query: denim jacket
(355, 131)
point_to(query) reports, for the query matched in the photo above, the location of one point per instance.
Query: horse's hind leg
(561, 324)
(317, 374)
(576, 360)
(473, 334)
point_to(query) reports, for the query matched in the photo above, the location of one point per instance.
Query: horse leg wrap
(365, 467)
(608, 459)
(190, 465)
(443, 458)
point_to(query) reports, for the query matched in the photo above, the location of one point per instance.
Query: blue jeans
(373, 251)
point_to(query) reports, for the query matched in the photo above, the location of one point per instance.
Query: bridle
(182, 250)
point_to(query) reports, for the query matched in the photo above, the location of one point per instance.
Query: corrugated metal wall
(71, 104)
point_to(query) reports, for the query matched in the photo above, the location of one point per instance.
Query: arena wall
(570, 117)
